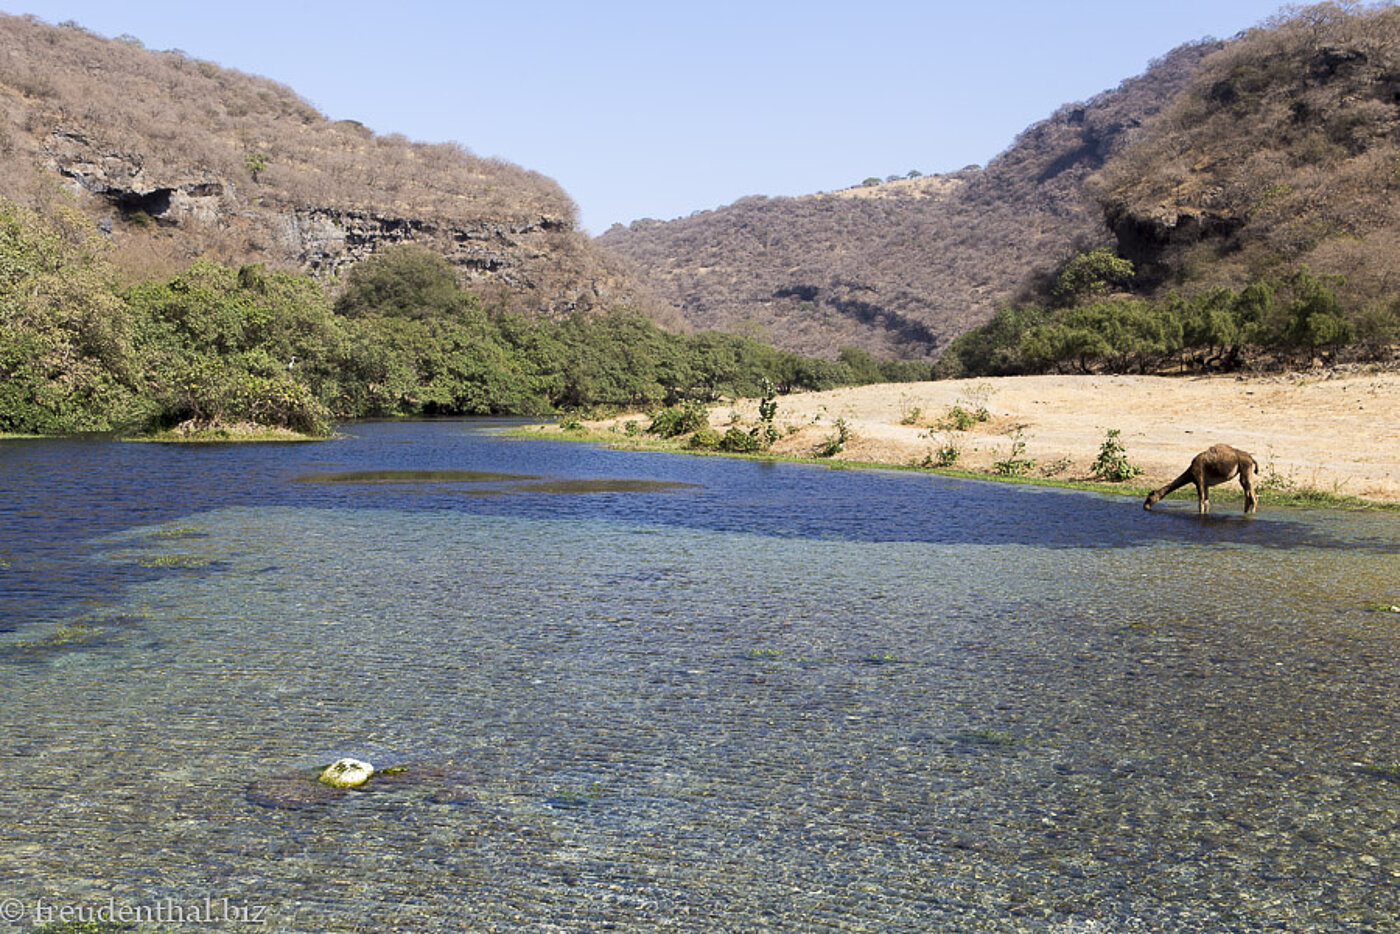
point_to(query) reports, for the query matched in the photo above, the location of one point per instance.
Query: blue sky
(657, 108)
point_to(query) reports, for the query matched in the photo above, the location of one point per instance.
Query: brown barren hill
(902, 267)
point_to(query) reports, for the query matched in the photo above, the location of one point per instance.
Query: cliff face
(175, 158)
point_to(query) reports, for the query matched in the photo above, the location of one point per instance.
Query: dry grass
(1337, 434)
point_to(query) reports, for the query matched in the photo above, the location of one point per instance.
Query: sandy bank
(1338, 433)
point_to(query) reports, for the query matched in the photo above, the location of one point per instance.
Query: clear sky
(653, 108)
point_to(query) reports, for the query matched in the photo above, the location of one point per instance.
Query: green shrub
(680, 420)
(967, 412)
(946, 455)
(738, 441)
(957, 418)
(1112, 463)
(1017, 464)
(836, 442)
(705, 439)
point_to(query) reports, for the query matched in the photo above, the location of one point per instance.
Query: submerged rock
(290, 793)
(346, 773)
(313, 788)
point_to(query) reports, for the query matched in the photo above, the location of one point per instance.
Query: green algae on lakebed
(513, 482)
(412, 476)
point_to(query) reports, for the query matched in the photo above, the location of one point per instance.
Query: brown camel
(1213, 466)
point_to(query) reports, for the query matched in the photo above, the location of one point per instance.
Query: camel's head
(1152, 499)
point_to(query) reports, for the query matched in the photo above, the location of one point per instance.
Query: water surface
(660, 692)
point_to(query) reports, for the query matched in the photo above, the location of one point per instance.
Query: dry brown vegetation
(68, 92)
(910, 264)
(179, 158)
(1283, 150)
(1226, 163)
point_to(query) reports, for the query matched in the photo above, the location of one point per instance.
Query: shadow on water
(497, 482)
(55, 494)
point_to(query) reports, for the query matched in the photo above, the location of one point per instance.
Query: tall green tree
(1092, 274)
(404, 281)
(1315, 320)
(67, 361)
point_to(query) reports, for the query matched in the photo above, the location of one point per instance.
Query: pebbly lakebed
(639, 691)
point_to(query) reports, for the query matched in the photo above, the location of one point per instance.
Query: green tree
(222, 345)
(1315, 320)
(1140, 335)
(256, 164)
(1378, 325)
(1253, 309)
(67, 361)
(1208, 322)
(404, 281)
(1059, 346)
(865, 369)
(995, 349)
(1090, 274)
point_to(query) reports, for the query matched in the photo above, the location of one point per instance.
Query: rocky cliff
(1280, 152)
(175, 158)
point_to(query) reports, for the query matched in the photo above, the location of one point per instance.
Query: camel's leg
(1202, 496)
(1251, 499)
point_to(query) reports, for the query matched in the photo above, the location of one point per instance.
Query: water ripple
(725, 696)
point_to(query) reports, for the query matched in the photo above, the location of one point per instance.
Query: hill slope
(901, 268)
(1281, 151)
(177, 158)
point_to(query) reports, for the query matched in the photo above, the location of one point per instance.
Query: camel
(1211, 467)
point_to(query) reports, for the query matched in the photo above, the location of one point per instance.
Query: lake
(641, 692)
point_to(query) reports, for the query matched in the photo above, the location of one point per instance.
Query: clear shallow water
(654, 692)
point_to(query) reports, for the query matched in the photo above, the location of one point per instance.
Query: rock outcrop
(175, 158)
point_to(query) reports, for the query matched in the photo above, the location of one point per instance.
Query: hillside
(176, 158)
(1225, 164)
(1281, 151)
(903, 267)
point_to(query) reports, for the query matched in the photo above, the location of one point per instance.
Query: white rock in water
(346, 773)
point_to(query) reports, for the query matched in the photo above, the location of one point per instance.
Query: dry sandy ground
(1338, 432)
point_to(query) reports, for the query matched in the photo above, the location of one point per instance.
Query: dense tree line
(216, 345)
(1086, 327)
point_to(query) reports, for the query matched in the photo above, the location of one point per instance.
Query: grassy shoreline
(223, 436)
(1291, 496)
(1279, 498)
(220, 435)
